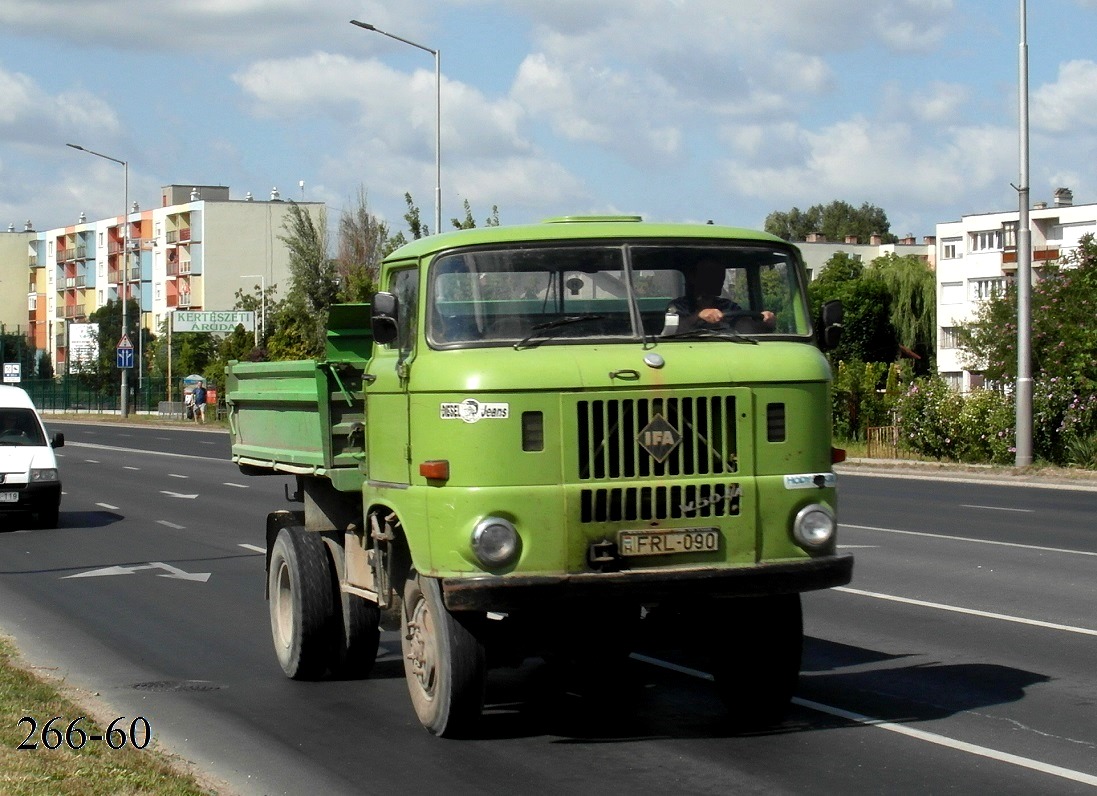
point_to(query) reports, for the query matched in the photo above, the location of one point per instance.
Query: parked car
(29, 479)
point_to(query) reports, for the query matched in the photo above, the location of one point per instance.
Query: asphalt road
(959, 660)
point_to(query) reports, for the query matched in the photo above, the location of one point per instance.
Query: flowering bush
(928, 416)
(979, 427)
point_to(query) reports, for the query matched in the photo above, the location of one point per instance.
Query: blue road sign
(124, 357)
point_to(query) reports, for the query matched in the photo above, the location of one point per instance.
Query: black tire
(757, 677)
(304, 619)
(444, 662)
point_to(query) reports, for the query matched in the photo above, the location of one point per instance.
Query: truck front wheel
(756, 677)
(304, 619)
(444, 661)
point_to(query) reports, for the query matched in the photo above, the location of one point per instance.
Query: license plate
(9, 497)
(661, 543)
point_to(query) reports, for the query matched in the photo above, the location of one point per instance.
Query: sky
(674, 110)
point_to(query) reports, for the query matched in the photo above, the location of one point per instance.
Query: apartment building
(817, 250)
(193, 251)
(977, 256)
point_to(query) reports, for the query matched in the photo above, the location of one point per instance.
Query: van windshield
(20, 427)
(612, 292)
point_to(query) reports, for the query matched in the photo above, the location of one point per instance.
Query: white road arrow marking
(171, 572)
(177, 494)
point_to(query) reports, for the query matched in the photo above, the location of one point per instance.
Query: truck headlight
(495, 542)
(45, 474)
(814, 526)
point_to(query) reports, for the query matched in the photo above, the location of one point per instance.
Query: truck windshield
(597, 292)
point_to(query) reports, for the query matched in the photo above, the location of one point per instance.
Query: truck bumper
(650, 586)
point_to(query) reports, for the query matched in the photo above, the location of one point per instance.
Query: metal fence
(71, 394)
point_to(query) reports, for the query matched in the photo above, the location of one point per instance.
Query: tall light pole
(437, 116)
(263, 303)
(1023, 423)
(124, 398)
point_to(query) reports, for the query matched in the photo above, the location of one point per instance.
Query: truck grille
(656, 437)
(624, 504)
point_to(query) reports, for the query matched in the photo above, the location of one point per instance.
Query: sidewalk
(1044, 477)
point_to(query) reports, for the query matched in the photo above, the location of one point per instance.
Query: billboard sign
(211, 321)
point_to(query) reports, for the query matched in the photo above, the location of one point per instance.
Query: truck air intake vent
(630, 504)
(775, 422)
(656, 437)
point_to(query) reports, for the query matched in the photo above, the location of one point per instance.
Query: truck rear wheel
(304, 621)
(444, 662)
(756, 679)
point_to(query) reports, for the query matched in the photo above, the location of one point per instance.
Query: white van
(29, 481)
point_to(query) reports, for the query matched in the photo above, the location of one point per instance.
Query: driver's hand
(769, 319)
(711, 315)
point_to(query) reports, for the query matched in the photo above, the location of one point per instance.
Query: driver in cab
(705, 307)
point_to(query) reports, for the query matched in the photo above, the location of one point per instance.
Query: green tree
(363, 242)
(313, 284)
(103, 373)
(867, 333)
(1064, 337)
(470, 223)
(911, 286)
(834, 221)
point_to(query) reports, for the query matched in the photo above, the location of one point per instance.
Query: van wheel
(756, 679)
(303, 614)
(444, 661)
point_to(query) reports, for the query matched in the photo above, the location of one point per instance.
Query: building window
(950, 249)
(1010, 234)
(952, 292)
(954, 380)
(990, 240)
(982, 289)
(949, 337)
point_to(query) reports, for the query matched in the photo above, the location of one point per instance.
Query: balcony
(1040, 254)
(32, 261)
(184, 300)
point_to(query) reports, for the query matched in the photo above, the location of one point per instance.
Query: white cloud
(1067, 104)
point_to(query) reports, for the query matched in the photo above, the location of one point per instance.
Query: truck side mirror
(384, 316)
(830, 325)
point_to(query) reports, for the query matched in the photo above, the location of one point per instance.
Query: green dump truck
(547, 441)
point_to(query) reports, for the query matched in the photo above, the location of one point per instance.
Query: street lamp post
(262, 306)
(124, 398)
(437, 116)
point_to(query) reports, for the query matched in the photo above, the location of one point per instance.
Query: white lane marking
(1085, 631)
(177, 475)
(254, 547)
(238, 486)
(127, 467)
(171, 525)
(178, 494)
(107, 506)
(961, 746)
(858, 546)
(91, 461)
(920, 735)
(145, 452)
(997, 508)
(976, 541)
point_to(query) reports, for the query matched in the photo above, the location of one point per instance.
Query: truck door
(387, 436)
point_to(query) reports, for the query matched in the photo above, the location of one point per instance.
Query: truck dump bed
(304, 417)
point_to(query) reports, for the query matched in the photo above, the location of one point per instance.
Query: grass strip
(92, 769)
